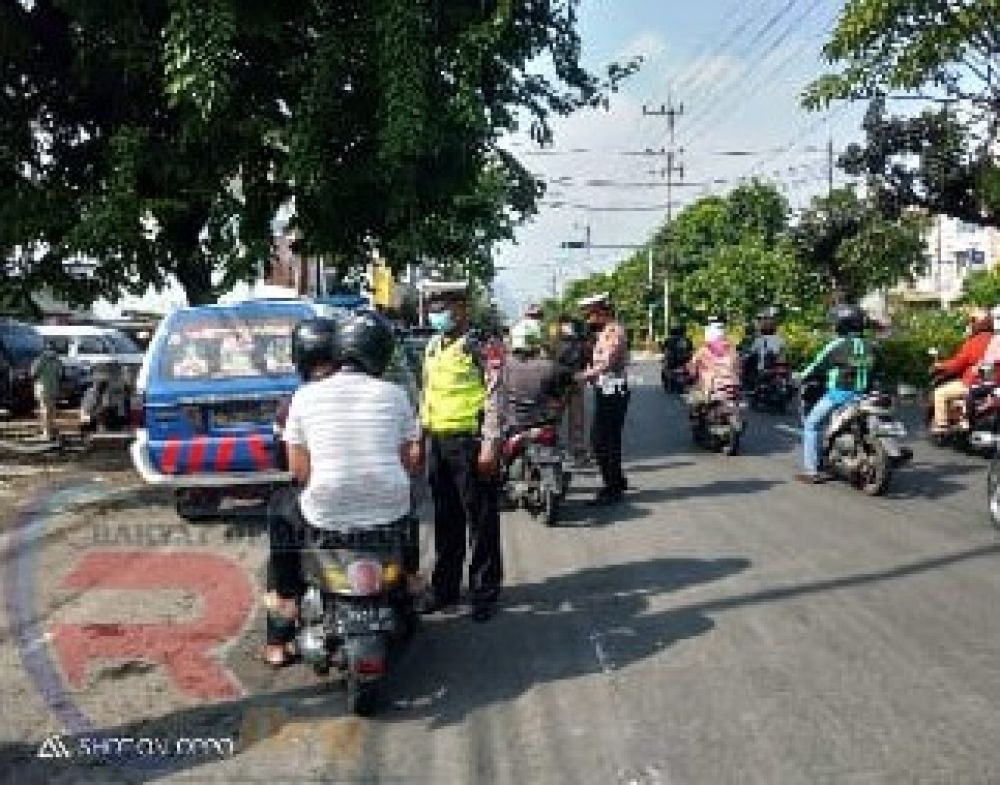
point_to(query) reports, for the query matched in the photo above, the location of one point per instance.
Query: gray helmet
(848, 319)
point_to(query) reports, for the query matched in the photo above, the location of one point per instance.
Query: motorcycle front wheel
(362, 696)
(875, 470)
(993, 491)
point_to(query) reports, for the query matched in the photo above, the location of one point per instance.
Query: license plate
(235, 413)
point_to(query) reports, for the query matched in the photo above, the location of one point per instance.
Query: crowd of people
(355, 440)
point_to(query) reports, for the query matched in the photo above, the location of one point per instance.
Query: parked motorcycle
(717, 422)
(535, 472)
(772, 389)
(861, 444)
(356, 612)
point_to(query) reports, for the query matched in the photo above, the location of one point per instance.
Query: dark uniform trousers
(606, 436)
(465, 506)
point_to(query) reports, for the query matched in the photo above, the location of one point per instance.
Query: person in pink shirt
(715, 366)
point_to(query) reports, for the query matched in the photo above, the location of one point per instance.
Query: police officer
(461, 412)
(606, 372)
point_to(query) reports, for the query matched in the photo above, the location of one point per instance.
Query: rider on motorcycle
(715, 365)
(352, 441)
(766, 344)
(534, 382)
(964, 366)
(846, 363)
(677, 348)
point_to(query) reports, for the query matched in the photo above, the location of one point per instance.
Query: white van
(89, 346)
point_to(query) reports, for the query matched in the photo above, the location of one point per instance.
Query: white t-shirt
(352, 425)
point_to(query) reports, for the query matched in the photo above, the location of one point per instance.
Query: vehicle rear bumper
(150, 474)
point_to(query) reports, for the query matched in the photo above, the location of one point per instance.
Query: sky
(738, 68)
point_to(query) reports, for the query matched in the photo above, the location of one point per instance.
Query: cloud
(705, 73)
(648, 45)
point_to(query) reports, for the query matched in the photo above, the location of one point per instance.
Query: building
(954, 249)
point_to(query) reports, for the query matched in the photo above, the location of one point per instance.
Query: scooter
(536, 475)
(861, 443)
(772, 390)
(962, 424)
(356, 613)
(717, 423)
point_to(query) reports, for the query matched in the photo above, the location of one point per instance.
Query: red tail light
(547, 436)
(370, 666)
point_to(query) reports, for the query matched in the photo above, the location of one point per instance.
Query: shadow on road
(565, 627)
(933, 480)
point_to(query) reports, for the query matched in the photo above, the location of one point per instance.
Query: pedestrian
(46, 372)
(607, 372)
(571, 353)
(462, 412)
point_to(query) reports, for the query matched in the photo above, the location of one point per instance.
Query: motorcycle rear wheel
(731, 446)
(362, 696)
(876, 471)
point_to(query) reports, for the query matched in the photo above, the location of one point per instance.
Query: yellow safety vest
(454, 392)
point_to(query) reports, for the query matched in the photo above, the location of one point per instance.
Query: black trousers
(606, 437)
(466, 508)
(290, 532)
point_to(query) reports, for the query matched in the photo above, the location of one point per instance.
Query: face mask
(441, 321)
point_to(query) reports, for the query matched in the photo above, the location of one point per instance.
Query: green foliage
(942, 160)
(803, 340)
(853, 249)
(982, 287)
(160, 138)
(903, 356)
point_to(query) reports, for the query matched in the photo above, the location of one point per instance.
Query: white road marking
(789, 429)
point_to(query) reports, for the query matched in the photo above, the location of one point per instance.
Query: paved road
(726, 625)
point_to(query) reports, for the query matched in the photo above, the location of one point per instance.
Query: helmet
(525, 336)
(314, 342)
(366, 340)
(848, 319)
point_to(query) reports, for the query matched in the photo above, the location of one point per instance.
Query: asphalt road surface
(725, 625)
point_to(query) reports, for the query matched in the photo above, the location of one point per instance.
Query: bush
(903, 356)
(802, 343)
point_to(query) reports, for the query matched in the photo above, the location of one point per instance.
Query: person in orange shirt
(964, 366)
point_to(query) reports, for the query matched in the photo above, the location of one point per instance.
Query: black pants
(290, 533)
(465, 507)
(606, 437)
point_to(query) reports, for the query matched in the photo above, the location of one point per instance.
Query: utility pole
(673, 154)
(829, 165)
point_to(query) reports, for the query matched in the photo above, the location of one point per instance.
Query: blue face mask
(441, 321)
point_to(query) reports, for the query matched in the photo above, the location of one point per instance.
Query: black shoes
(483, 611)
(606, 497)
(430, 602)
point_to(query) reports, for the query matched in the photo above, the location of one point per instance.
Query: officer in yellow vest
(461, 412)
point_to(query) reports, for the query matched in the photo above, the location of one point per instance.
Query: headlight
(365, 577)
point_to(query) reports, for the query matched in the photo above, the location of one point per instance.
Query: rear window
(229, 345)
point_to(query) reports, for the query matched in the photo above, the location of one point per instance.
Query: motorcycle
(961, 432)
(772, 389)
(535, 472)
(861, 442)
(717, 423)
(673, 373)
(356, 612)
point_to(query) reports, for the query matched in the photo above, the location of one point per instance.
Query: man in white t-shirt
(352, 441)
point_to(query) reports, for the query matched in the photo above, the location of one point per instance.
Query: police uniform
(611, 397)
(461, 405)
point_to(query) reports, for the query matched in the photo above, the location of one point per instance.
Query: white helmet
(525, 335)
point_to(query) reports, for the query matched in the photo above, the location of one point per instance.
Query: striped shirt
(353, 426)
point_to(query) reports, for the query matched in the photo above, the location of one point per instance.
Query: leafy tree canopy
(943, 159)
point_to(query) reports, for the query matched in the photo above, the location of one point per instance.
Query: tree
(943, 159)
(742, 279)
(160, 138)
(853, 249)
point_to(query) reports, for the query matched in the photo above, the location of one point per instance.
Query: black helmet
(848, 319)
(366, 340)
(314, 342)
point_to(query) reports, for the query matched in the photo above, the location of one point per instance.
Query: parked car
(86, 345)
(208, 398)
(20, 344)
